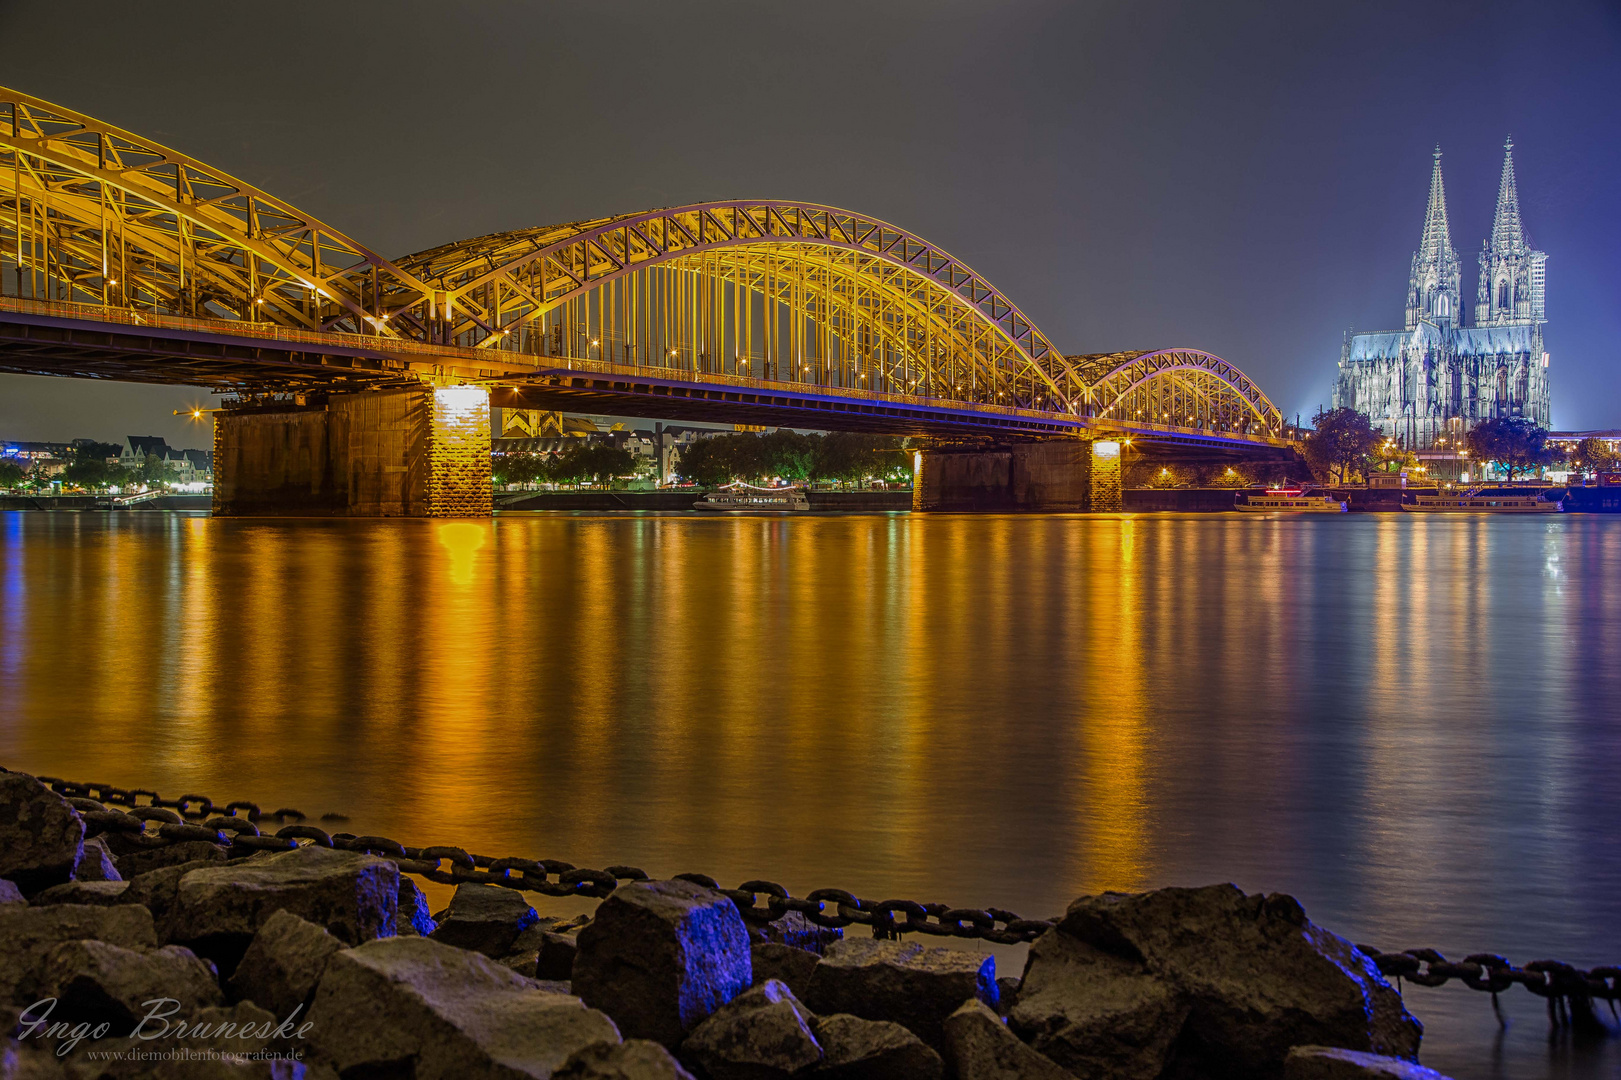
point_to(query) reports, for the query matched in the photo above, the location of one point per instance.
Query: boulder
(217, 910)
(96, 864)
(761, 1034)
(1330, 1063)
(284, 963)
(239, 1029)
(145, 859)
(10, 894)
(553, 953)
(857, 1049)
(41, 835)
(785, 963)
(796, 930)
(633, 1059)
(1096, 1014)
(1259, 976)
(485, 918)
(93, 893)
(31, 1060)
(906, 983)
(28, 934)
(413, 916)
(979, 1046)
(415, 1007)
(95, 982)
(661, 956)
(156, 889)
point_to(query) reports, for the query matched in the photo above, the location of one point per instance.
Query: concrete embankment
(330, 953)
(683, 500)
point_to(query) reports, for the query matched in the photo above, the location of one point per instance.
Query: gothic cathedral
(1436, 378)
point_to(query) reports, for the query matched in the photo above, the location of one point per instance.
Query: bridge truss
(772, 294)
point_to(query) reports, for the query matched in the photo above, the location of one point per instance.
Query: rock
(796, 930)
(156, 889)
(980, 1047)
(29, 1061)
(906, 983)
(415, 1007)
(28, 934)
(96, 982)
(857, 1049)
(485, 918)
(1007, 993)
(661, 956)
(1096, 1014)
(1260, 977)
(240, 1029)
(412, 917)
(41, 835)
(145, 859)
(1330, 1063)
(761, 1034)
(93, 893)
(284, 963)
(633, 1059)
(553, 953)
(217, 910)
(10, 894)
(791, 965)
(96, 864)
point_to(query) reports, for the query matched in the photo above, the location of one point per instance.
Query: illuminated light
(112, 281)
(1106, 449)
(259, 301)
(461, 399)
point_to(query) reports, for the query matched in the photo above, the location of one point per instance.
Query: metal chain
(1568, 990)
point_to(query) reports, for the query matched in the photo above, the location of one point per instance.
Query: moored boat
(1289, 501)
(1483, 501)
(747, 497)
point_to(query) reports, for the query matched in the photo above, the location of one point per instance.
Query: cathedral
(1436, 378)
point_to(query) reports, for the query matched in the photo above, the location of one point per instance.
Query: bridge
(123, 259)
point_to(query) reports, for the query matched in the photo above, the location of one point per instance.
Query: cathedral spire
(1508, 234)
(1432, 288)
(1437, 239)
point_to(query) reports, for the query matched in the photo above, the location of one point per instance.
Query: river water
(1411, 724)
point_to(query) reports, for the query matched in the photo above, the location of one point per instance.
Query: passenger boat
(745, 497)
(1289, 501)
(1483, 501)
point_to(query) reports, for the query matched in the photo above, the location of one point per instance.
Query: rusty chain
(1568, 990)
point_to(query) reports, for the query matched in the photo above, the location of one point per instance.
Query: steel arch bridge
(121, 258)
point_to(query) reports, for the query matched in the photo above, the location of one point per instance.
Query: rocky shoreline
(122, 957)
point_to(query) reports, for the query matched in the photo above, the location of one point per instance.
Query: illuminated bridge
(122, 259)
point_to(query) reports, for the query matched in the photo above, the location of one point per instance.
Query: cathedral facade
(1435, 378)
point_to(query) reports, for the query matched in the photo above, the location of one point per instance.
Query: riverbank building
(1429, 382)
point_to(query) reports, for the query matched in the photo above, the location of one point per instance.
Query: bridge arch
(1178, 387)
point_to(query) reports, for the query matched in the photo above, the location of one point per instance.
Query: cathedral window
(1502, 294)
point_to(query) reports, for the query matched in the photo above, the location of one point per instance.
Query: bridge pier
(413, 451)
(1057, 475)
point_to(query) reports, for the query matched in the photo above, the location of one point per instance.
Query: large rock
(217, 910)
(93, 893)
(10, 894)
(857, 1049)
(284, 963)
(31, 1060)
(980, 1047)
(1260, 977)
(633, 1059)
(147, 858)
(28, 934)
(545, 952)
(1096, 1014)
(95, 982)
(96, 863)
(414, 1007)
(796, 930)
(484, 918)
(906, 983)
(41, 835)
(214, 1046)
(1331, 1063)
(762, 1034)
(413, 916)
(661, 956)
(792, 966)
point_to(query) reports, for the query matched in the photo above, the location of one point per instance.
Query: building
(1429, 382)
(188, 466)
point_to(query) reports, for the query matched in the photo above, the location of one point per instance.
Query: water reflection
(1408, 723)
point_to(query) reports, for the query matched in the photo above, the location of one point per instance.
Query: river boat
(1286, 501)
(745, 497)
(1483, 501)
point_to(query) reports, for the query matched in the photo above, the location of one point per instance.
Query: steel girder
(1184, 387)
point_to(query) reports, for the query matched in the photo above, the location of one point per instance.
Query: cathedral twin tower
(1436, 378)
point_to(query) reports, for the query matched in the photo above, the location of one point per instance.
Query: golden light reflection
(463, 539)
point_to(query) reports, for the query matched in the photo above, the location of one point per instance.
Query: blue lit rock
(1332, 1063)
(661, 956)
(762, 1034)
(484, 918)
(284, 963)
(41, 835)
(414, 1007)
(903, 982)
(412, 916)
(979, 1046)
(96, 864)
(10, 894)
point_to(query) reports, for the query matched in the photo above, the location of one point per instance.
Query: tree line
(1345, 442)
(89, 469)
(789, 455)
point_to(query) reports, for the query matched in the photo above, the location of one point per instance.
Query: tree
(517, 468)
(1342, 441)
(843, 455)
(11, 474)
(152, 471)
(1392, 456)
(787, 454)
(1513, 442)
(1596, 455)
(594, 461)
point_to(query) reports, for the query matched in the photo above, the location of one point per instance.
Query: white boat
(1482, 501)
(745, 497)
(1284, 501)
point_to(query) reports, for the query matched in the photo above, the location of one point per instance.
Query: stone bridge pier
(410, 451)
(1052, 475)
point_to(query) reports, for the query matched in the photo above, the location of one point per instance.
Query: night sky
(1248, 179)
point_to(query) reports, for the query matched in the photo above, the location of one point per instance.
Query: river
(1411, 724)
